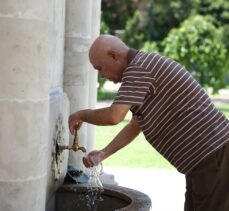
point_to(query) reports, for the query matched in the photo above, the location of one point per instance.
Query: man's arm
(104, 116)
(124, 137)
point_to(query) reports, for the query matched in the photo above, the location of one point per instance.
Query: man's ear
(113, 54)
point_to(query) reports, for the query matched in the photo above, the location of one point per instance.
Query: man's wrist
(106, 152)
(86, 115)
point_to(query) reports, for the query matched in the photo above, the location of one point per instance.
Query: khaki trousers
(207, 186)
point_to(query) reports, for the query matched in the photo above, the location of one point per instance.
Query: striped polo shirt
(175, 114)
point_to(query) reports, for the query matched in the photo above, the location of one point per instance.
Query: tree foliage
(218, 9)
(155, 18)
(150, 47)
(117, 12)
(133, 35)
(174, 27)
(163, 15)
(197, 45)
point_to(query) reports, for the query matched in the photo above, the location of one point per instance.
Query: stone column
(92, 97)
(58, 109)
(76, 64)
(26, 47)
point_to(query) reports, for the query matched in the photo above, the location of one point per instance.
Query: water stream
(94, 187)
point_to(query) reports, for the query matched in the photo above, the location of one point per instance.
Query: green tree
(104, 29)
(117, 12)
(198, 46)
(163, 15)
(133, 35)
(225, 36)
(150, 47)
(218, 9)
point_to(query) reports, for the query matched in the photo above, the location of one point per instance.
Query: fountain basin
(69, 198)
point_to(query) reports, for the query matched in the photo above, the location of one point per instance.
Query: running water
(95, 187)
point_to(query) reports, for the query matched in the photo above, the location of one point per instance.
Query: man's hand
(94, 158)
(74, 121)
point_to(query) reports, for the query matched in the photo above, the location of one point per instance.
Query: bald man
(174, 113)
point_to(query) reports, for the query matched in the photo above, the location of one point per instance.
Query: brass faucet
(75, 147)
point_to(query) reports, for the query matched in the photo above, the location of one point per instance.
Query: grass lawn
(224, 108)
(139, 153)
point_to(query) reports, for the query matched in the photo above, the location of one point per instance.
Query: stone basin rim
(136, 200)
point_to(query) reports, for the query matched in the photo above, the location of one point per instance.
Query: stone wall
(35, 73)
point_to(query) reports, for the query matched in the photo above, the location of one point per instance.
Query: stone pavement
(166, 188)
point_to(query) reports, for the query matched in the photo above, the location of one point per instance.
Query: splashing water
(95, 187)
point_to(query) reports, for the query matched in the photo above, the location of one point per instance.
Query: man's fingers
(75, 126)
(71, 129)
(93, 158)
(88, 162)
(79, 124)
(85, 162)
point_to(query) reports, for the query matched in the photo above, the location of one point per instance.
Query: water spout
(75, 147)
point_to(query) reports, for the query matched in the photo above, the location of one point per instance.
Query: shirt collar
(131, 54)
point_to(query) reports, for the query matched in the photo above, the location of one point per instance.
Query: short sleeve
(136, 85)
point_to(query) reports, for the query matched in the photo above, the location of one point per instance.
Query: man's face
(108, 67)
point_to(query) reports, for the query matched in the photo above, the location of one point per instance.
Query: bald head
(105, 43)
(108, 54)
